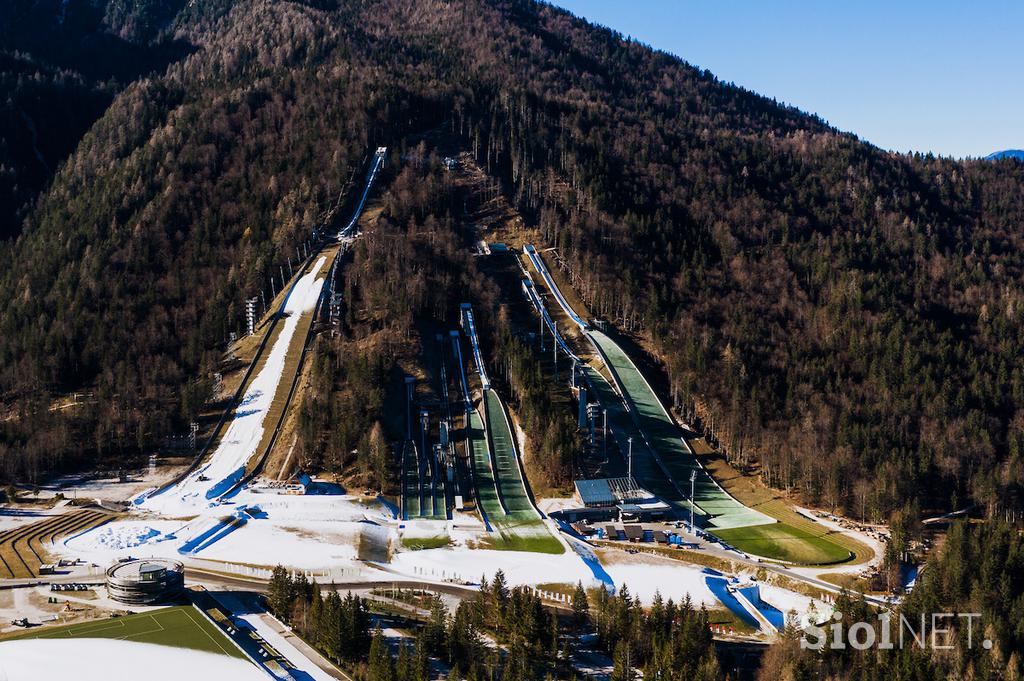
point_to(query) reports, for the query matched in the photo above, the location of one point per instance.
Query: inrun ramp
(375, 166)
(470, 327)
(542, 270)
(538, 304)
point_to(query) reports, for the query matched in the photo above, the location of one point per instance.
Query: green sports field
(780, 541)
(180, 626)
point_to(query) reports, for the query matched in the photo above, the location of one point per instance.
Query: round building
(145, 582)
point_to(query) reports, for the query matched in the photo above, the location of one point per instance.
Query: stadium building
(615, 498)
(145, 582)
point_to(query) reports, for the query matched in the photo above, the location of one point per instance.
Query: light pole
(554, 345)
(250, 314)
(604, 432)
(693, 478)
(629, 457)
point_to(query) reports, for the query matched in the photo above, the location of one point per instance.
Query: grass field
(180, 626)
(780, 541)
(530, 536)
(421, 543)
(726, 618)
(749, 490)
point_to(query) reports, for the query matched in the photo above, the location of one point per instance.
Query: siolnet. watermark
(937, 631)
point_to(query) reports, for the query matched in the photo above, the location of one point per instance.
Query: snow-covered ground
(646, 575)
(90, 659)
(549, 505)
(208, 483)
(112, 487)
(16, 516)
(468, 565)
(304, 532)
(788, 601)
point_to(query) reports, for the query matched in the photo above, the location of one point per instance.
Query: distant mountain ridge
(1006, 153)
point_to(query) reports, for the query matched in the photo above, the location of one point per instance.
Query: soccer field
(180, 626)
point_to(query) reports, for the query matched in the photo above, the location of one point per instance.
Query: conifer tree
(279, 593)
(381, 667)
(580, 606)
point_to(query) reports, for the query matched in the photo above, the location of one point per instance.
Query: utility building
(615, 497)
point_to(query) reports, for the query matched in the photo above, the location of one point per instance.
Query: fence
(322, 576)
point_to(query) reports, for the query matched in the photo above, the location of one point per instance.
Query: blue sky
(941, 76)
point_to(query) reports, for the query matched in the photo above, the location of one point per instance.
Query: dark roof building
(621, 497)
(610, 492)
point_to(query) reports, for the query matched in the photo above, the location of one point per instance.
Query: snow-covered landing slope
(204, 486)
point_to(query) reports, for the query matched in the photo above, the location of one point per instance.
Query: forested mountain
(61, 63)
(849, 318)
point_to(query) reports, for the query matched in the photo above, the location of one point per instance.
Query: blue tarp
(719, 587)
(767, 610)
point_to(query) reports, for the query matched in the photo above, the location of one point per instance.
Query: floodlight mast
(693, 478)
(250, 314)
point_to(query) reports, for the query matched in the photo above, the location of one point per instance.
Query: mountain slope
(1006, 153)
(849, 316)
(61, 63)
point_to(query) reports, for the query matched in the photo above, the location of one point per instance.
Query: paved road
(247, 613)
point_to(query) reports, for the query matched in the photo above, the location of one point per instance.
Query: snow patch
(469, 565)
(647, 575)
(89, 659)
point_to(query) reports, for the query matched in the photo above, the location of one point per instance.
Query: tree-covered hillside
(849, 318)
(61, 63)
